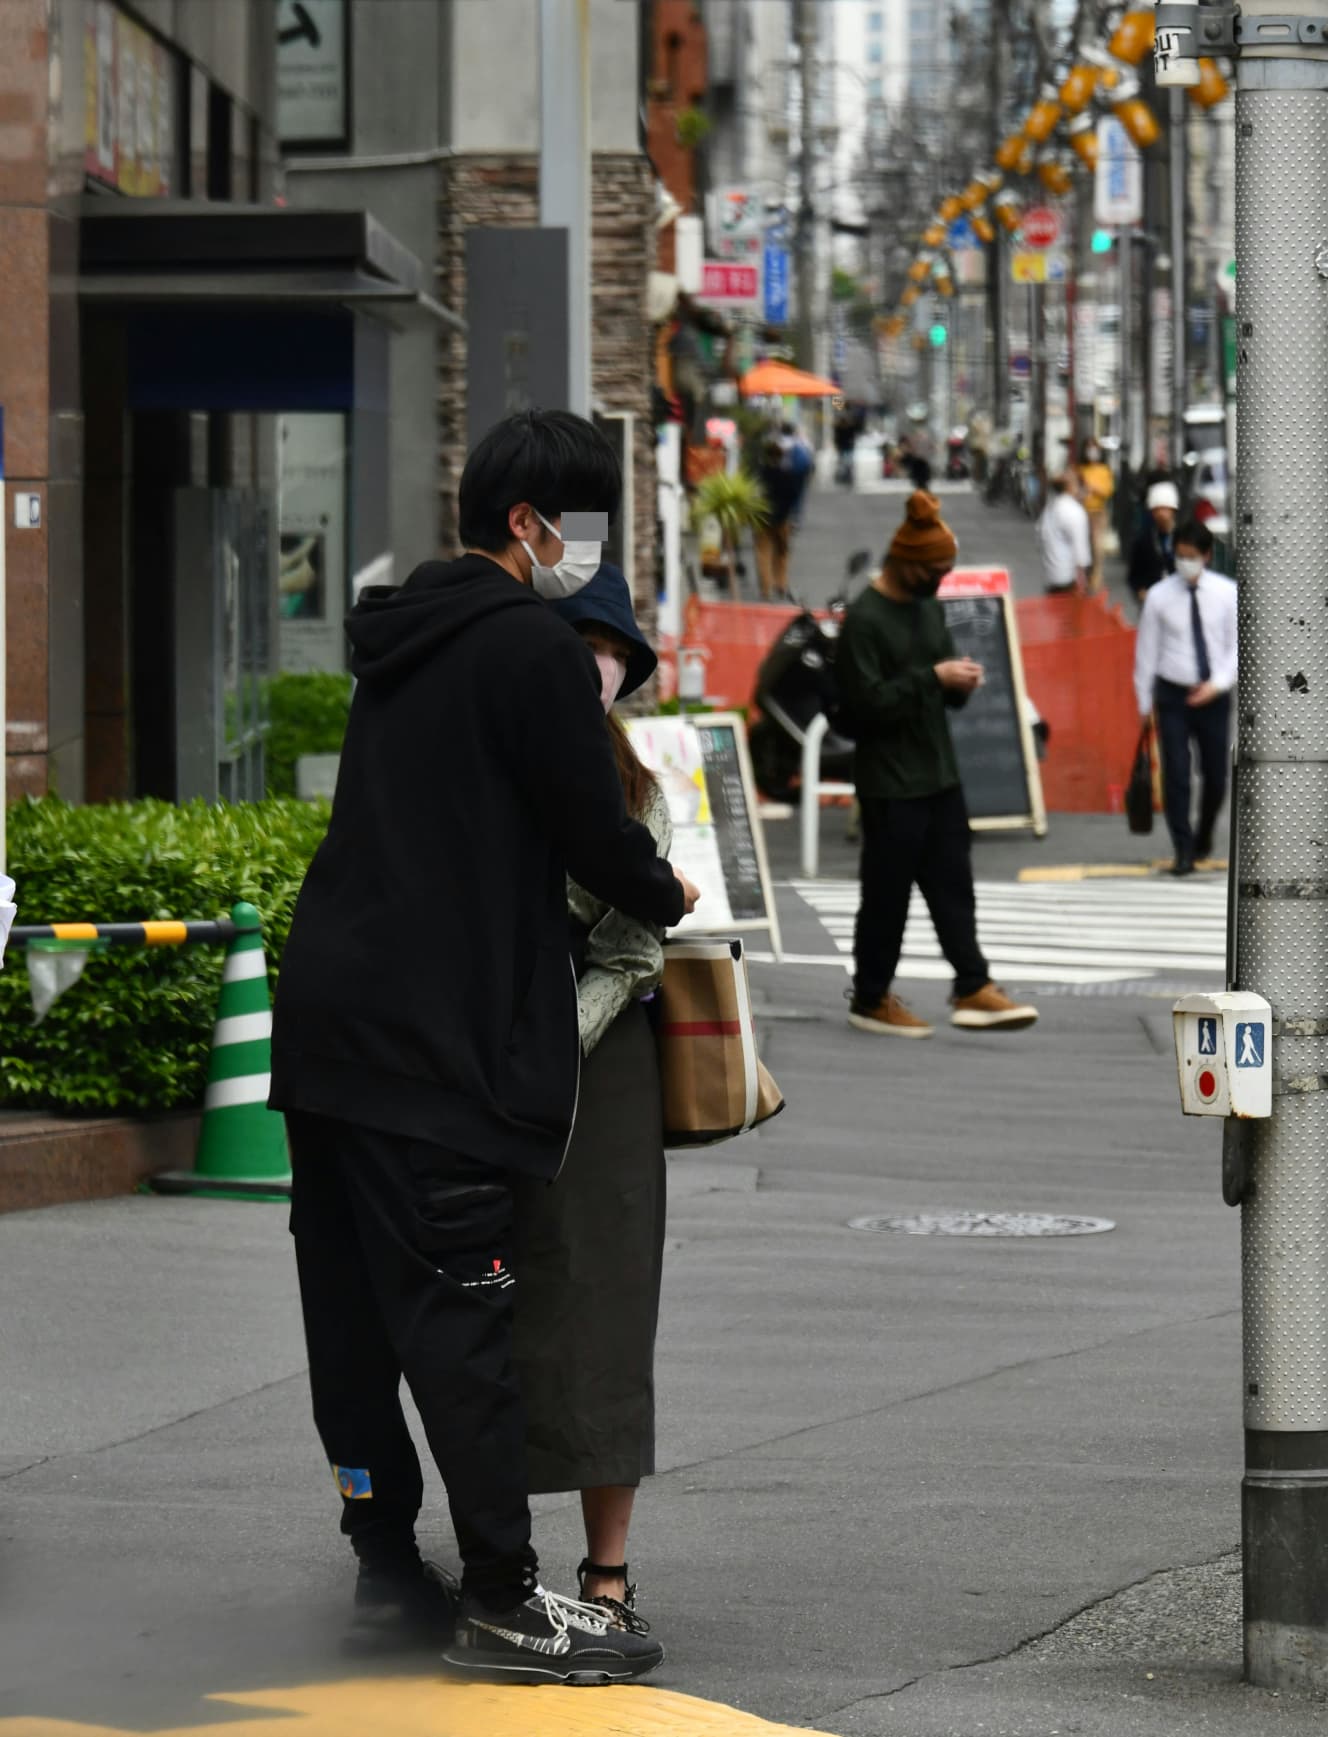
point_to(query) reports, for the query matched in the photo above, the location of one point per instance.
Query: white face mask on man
(576, 567)
(1189, 567)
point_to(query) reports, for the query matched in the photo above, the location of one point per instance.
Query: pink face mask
(612, 675)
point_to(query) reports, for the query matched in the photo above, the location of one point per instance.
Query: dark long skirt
(589, 1256)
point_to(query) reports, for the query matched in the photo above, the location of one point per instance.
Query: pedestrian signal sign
(1207, 1037)
(1249, 1044)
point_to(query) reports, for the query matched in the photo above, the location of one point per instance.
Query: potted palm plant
(734, 502)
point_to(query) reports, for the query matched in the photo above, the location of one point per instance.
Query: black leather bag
(1139, 791)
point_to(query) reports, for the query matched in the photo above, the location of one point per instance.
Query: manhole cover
(987, 1224)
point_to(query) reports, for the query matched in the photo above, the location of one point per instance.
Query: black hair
(558, 462)
(1195, 535)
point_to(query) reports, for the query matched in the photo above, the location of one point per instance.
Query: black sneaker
(419, 1600)
(549, 1639)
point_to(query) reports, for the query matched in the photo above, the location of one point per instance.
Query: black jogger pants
(920, 841)
(403, 1251)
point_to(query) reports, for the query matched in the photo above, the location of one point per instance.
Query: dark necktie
(1200, 645)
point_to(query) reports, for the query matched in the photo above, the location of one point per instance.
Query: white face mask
(1189, 567)
(577, 567)
(612, 675)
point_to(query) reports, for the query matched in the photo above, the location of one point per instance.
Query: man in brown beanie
(898, 671)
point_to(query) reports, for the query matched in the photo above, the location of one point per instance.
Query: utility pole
(806, 26)
(1276, 1168)
(565, 202)
(997, 257)
(1178, 164)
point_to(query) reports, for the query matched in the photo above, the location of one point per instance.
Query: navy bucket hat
(607, 602)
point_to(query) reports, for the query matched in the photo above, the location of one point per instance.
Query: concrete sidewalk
(892, 1468)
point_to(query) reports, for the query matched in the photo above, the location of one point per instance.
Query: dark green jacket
(885, 665)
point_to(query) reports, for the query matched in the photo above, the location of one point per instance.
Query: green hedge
(133, 1033)
(307, 716)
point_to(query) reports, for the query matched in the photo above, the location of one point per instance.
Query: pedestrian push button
(1224, 1054)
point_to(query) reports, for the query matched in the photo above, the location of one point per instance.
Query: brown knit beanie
(924, 539)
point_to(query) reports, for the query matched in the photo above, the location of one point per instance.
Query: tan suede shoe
(992, 1010)
(889, 1018)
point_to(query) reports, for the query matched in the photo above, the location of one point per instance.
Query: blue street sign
(962, 234)
(1207, 1037)
(776, 286)
(1249, 1044)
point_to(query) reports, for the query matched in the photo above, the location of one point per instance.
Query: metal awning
(154, 253)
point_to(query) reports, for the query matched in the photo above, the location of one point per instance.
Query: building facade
(233, 242)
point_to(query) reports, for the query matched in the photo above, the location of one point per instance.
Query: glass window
(875, 89)
(875, 21)
(874, 53)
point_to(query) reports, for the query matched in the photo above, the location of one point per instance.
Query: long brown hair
(637, 780)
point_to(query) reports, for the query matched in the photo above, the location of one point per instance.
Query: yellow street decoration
(1042, 117)
(1008, 153)
(1055, 175)
(1077, 91)
(1132, 38)
(1135, 115)
(934, 235)
(951, 207)
(1212, 87)
(1083, 141)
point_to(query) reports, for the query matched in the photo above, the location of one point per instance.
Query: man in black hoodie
(425, 1044)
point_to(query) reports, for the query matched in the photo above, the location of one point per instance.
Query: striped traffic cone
(242, 1144)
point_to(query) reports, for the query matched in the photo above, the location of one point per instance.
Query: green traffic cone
(242, 1147)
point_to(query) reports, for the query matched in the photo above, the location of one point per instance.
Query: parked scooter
(794, 683)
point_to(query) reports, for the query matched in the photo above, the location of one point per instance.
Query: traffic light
(1102, 240)
(937, 335)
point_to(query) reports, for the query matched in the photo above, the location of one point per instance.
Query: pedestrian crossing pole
(1277, 1169)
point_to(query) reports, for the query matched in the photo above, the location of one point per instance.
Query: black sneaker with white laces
(549, 1639)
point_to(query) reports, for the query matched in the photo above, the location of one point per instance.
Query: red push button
(1206, 1085)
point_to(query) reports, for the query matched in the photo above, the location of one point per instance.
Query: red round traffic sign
(1041, 227)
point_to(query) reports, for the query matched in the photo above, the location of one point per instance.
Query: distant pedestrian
(425, 1044)
(1153, 553)
(1096, 487)
(801, 462)
(774, 539)
(591, 1243)
(846, 440)
(1064, 541)
(898, 672)
(1185, 670)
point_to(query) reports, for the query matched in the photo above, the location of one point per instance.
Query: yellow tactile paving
(1109, 871)
(431, 1707)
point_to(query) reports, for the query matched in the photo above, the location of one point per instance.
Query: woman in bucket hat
(591, 1242)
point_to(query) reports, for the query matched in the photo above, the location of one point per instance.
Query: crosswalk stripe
(1098, 932)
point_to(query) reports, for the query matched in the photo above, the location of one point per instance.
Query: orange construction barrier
(1078, 664)
(1079, 667)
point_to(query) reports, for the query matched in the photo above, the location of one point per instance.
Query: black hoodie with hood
(426, 988)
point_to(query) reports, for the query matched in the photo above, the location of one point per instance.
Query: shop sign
(313, 80)
(129, 86)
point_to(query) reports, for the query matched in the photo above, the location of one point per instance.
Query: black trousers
(402, 1249)
(1208, 727)
(922, 841)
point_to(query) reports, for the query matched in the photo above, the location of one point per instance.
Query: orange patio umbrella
(780, 380)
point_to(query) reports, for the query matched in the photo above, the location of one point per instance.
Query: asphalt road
(889, 1462)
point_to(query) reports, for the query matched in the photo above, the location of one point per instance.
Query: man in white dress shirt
(1065, 539)
(1185, 671)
